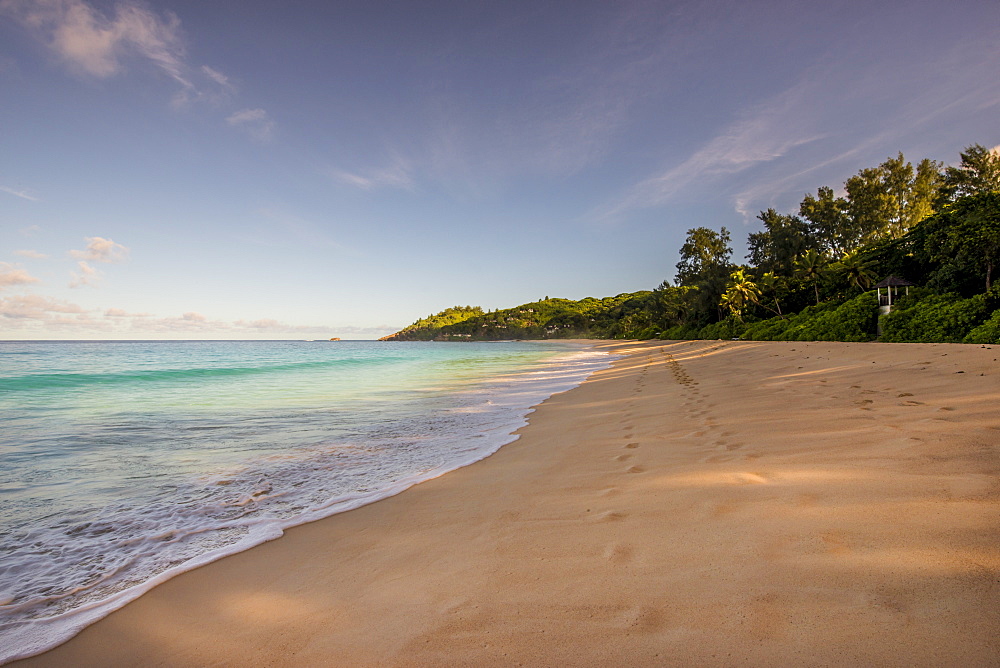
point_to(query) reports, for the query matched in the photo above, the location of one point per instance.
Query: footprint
(635, 469)
(632, 445)
(619, 553)
(623, 458)
(806, 500)
(645, 619)
(610, 516)
(834, 543)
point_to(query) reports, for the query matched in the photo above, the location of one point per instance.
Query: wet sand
(700, 503)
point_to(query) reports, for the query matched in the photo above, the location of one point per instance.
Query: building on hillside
(892, 284)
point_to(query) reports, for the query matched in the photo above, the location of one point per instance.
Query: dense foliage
(610, 317)
(809, 274)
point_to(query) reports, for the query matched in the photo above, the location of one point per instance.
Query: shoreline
(502, 399)
(708, 502)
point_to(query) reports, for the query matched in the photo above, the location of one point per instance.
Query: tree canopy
(809, 270)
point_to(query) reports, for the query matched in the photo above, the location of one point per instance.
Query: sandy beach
(706, 503)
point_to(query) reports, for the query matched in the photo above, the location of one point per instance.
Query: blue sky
(303, 169)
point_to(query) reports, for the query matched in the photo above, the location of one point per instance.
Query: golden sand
(700, 503)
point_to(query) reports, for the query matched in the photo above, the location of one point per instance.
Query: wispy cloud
(23, 194)
(256, 122)
(766, 133)
(105, 43)
(41, 315)
(33, 255)
(13, 275)
(792, 142)
(122, 313)
(87, 275)
(218, 77)
(398, 174)
(35, 307)
(97, 44)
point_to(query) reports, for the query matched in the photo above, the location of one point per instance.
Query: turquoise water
(124, 463)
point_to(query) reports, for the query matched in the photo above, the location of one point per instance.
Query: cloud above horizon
(256, 122)
(31, 254)
(23, 194)
(107, 44)
(27, 313)
(35, 307)
(13, 275)
(772, 130)
(96, 44)
(398, 174)
(98, 249)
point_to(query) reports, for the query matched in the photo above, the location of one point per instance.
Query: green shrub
(937, 319)
(767, 330)
(646, 333)
(851, 320)
(679, 333)
(724, 329)
(988, 332)
(854, 320)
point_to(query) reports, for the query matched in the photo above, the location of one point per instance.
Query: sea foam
(197, 474)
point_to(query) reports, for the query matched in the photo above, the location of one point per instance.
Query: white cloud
(38, 316)
(98, 249)
(34, 255)
(23, 194)
(35, 307)
(101, 250)
(87, 276)
(13, 275)
(256, 122)
(122, 313)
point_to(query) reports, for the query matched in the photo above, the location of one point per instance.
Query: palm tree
(770, 283)
(812, 266)
(740, 292)
(856, 270)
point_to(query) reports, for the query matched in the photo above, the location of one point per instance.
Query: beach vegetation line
(809, 275)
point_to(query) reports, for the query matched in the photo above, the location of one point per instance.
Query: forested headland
(808, 275)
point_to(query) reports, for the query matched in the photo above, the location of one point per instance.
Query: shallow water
(124, 463)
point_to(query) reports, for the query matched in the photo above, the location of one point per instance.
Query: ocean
(125, 463)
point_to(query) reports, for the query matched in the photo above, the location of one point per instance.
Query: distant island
(929, 235)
